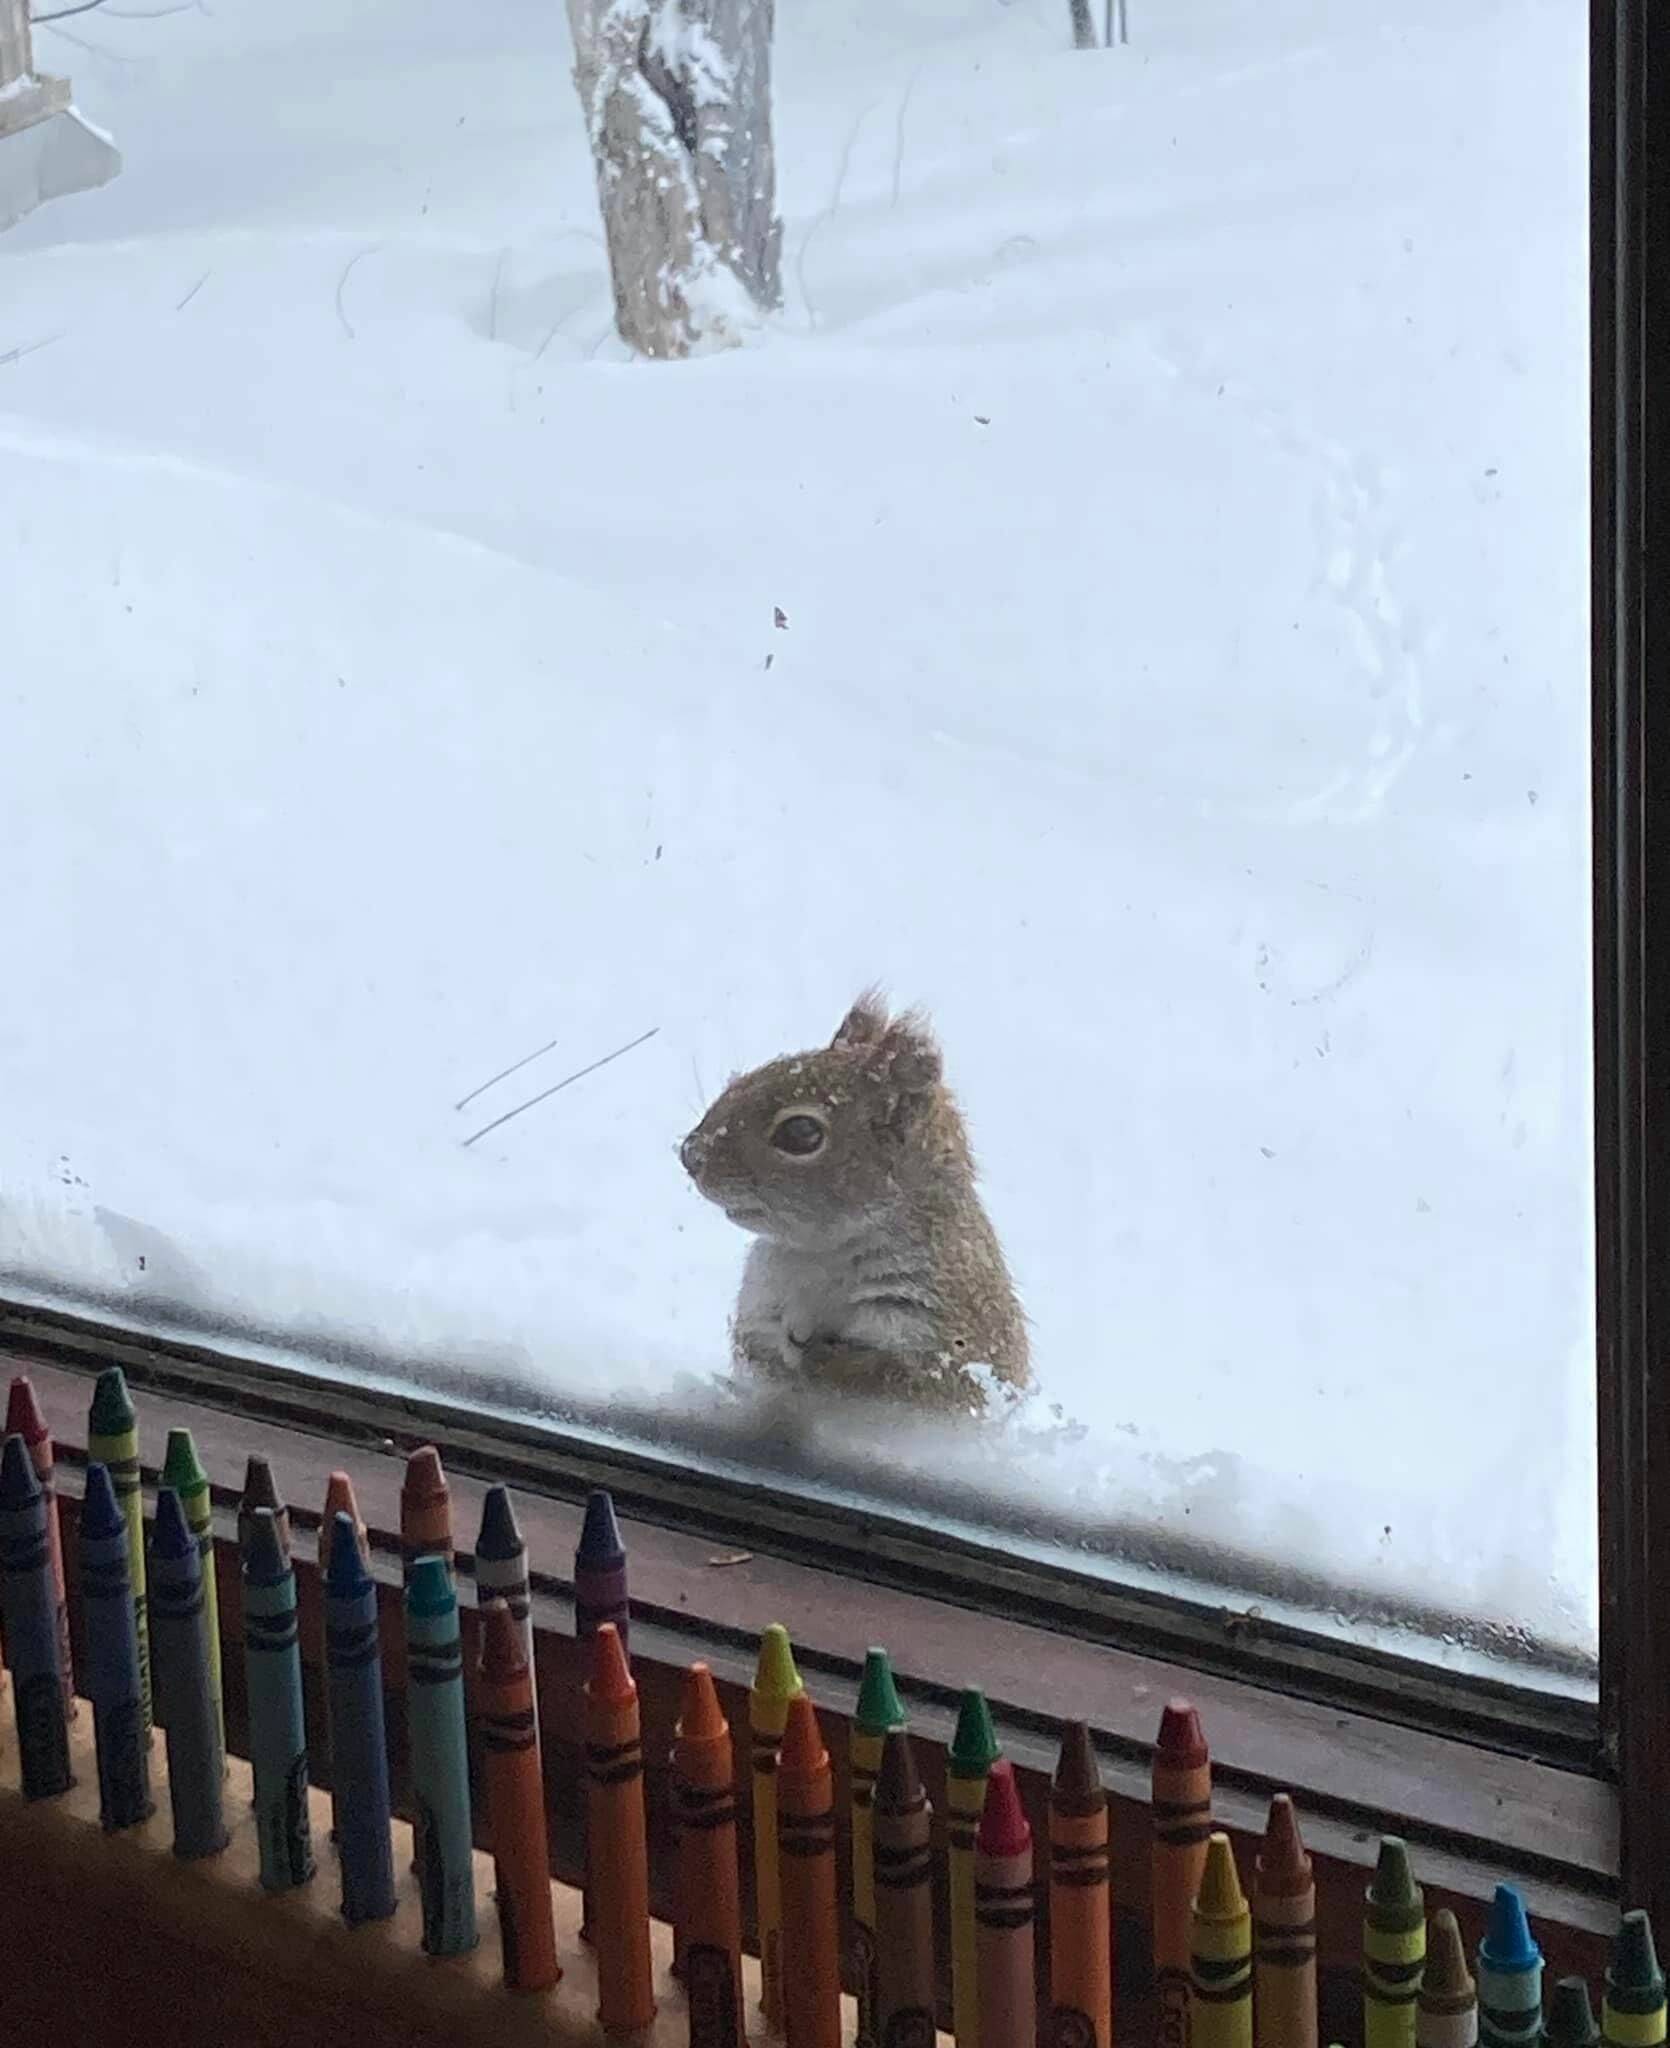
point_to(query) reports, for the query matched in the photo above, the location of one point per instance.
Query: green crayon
(1394, 1949)
(1632, 2008)
(878, 1711)
(113, 1442)
(182, 1469)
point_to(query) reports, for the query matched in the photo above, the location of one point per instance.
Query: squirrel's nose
(693, 1152)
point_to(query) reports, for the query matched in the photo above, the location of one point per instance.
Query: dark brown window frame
(1487, 1781)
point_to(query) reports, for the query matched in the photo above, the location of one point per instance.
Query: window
(1130, 598)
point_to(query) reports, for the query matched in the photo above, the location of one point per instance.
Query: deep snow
(1171, 465)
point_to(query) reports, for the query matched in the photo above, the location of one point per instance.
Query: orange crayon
(1005, 1909)
(709, 1891)
(1081, 1930)
(617, 1852)
(515, 1804)
(425, 1510)
(902, 1861)
(24, 1419)
(339, 1500)
(1182, 1809)
(811, 1938)
(1284, 1935)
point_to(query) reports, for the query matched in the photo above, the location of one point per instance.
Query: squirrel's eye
(798, 1134)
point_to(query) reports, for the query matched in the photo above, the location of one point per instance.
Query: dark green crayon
(185, 1700)
(277, 1720)
(182, 1469)
(1571, 2018)
(1632, 2007)
(29, 1605)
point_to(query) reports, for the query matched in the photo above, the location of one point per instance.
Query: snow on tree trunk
(677, 102)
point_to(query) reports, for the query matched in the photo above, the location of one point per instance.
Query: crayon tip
(424, 1480)
(974, 1746)
(23, 1412)
(775, 1677)
(263, 1558)
(1282, 1866)
(1181, 1743)
(1003, 1824)
(878, 1706)
(802, 1753)
(898, 1787)
(1076, 1775)
(171, 1535)
(611, 1675)
(101, 1518)
(346, 1575)
(1633, 1970)
(1571, 2018)
(429, 1589)
(1447, 1982)
(504, 1655)
(700, 1716)
(260, 1489)
(1394, 1883)
(182, 1469)
(339, 1500)
(1221, 1896)
(18, 1484)
(499, 1538)
(600, 1544)
(111, 1412)
(1507, 1943)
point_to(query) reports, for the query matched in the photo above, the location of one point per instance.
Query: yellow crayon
(1394, 1950)
(1220, 1955)
(776, 1682)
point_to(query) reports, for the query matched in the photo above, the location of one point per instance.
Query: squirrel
(875, 1269)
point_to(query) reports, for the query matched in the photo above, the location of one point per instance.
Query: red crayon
(1005, 1908)
(1182, 1811)
(24, 1419)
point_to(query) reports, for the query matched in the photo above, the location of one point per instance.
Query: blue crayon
(111, 1672)
(277, 1718)
(359, 1746)
(1510, 1976)
(440, 1759)
(182, 1683)
(29, 1604)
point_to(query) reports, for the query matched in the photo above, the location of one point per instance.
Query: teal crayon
(1632, 2008)
(183, 1470)
(184, 1691)
(359, 1746)
(440, 1758)
(29, 1605)
(277, 1718)
(1510, 1976)
(111, 1663)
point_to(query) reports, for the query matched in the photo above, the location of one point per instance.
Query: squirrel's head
(808, 1142)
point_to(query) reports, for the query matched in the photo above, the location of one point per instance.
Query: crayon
(440, 1759)
(501, 1567)
(1394, 1949)
(359, 1748)
(111, 1672)
(185, 1697)
(709, 1893)
(24, 1419)
(776, 1683)
(1081, 1900)
(515, 1804)
(1284, 1934)
(1220, 1967)
(972, 1753)
(277, 1719)
(904, 1900)
(1510, 1976)
(113, 1441)
(29, 1605)
(616, 1844)
(599, 1596)
(878, 1710)
(1447, 2013)
(1005, 1908)
(1182, 1812)
(261, 1491)
(1571, 2018)
(339, 1500)
(182, 1469)
(425, 1511)
(1632, 2005)
(811, 1929)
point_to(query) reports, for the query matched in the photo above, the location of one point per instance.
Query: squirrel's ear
(865, 1023)
(911, 1055)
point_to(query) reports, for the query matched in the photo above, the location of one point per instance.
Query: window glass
(1109, 569)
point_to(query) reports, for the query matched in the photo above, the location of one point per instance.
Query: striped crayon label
(614, 1763)
(1182, 1826)
(1220, 1980)
(702, 1809)
(1005, 1906)
(1075, 1868)
(900, 1869)
(806, 1835)
(1171, 1992)
(1289, 1947)
(1632, 2029)
(509, 1732)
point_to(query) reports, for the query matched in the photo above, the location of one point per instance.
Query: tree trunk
(1084, 29)
(15, 61)
(677, 102)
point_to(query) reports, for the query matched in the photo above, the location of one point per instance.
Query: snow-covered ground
(1171, 468)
